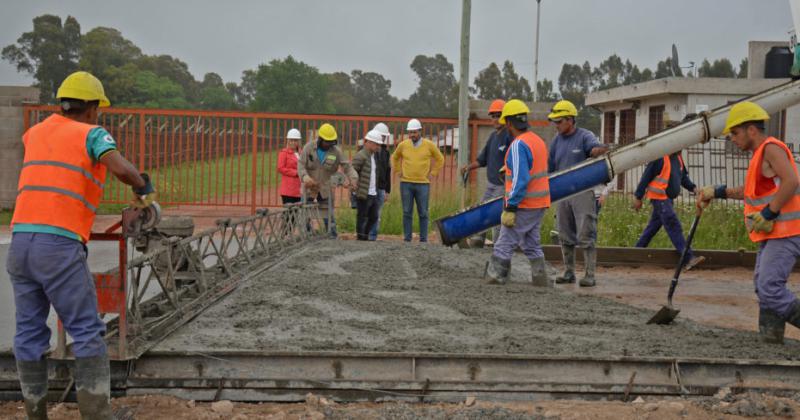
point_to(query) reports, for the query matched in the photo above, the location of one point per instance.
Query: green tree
(489, 83)
(49, 52)
(664, 69)
(288, 86)
(341, 94)
(437, 91)
(153, 91)
(719, 68)
(742, 74)
(102, 48)
(173, 69)
(515, 86)
(214, 95)
(544, 91)
(372, 93)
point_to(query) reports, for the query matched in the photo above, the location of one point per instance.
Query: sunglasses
(494, 115)
(558, 121)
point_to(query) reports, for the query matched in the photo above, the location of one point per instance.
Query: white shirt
(372, 183)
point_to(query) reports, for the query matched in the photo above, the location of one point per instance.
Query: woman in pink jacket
(287, 166)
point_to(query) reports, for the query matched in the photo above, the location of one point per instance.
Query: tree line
(53, 49)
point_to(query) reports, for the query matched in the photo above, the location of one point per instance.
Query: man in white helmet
(366, 191)
(413, 158)
(383, 158)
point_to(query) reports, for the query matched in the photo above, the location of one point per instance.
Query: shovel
(668, 313)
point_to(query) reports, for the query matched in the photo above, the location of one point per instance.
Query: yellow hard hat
(327, 132)
(513, 107)
(742, 113)
(562, 109)
(84, 86)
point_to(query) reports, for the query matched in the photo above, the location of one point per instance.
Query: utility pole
(536, 54)
(463, 93)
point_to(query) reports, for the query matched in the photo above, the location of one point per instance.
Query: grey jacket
(309, 167)
(363, 166)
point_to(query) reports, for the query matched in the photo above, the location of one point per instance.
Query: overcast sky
(228, 37)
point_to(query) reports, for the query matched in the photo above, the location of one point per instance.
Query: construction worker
(577, 215)
(66, 160)
(661, 182)
(413, 156)
(771, 208)
(492, 157)
(365, 164)
(318, 162)
(383, 158)
(527, 197)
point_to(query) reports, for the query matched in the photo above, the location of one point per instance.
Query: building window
(609, 126)
(656, 120)
(627, 126)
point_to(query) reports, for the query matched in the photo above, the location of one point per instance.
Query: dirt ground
(392, 297)
(721, 406)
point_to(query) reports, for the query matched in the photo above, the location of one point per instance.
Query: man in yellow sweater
(413, 159)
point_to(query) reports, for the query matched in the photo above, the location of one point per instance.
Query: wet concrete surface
(394, 297)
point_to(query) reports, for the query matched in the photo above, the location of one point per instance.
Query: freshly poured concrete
(394, 297)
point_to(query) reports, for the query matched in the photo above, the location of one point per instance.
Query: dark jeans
(409, 193)
(373, 234)
(287, 218)
(366, 216)
(664, 215)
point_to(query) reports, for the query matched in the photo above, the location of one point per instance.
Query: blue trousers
(49, 270)
(373, 233)
(524, 234)
(774, 263)
(664, 215)
(409, 193)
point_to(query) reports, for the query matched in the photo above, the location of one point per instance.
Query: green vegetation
(721, 227)
(5, 217)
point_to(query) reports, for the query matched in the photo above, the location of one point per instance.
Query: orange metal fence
(212, 158)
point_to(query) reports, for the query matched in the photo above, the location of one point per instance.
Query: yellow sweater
(415, 162)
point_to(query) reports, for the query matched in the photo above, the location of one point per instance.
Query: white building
(636, 111)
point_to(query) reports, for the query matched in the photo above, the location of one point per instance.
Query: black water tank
(779, 62)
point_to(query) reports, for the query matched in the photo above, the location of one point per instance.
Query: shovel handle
(681, 261)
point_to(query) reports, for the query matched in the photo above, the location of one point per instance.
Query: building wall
(757, 56)
(11, 130)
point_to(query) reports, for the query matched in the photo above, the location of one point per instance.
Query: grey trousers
(524, 234)
(493, 191)
(577, 220)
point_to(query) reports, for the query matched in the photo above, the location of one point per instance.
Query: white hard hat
(381, 128)
(374, 136)
(294, 134)
(413, 124)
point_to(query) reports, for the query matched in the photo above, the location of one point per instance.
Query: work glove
(763, 221)
(509, 217)
(146, 195)
(708, 193)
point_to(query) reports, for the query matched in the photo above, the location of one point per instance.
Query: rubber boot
(33, 381)
(539, 276)
(770, 326)
(496, 271)
(794, 314)
(569, 265)
(93, 384)
(590, 261)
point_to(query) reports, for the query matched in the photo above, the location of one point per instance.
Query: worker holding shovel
(772, 215)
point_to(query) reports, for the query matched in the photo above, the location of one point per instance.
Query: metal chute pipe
(600, 170)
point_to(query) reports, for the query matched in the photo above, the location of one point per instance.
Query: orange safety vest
(759, 191)
(657, 188)
(537, 195)
(59, 184)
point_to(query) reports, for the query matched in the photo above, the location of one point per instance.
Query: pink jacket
(287, 166)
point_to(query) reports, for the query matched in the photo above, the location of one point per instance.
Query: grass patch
(202, 181)
(5, 217)
(721, 227)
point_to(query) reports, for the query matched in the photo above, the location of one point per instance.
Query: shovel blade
(665, 315)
